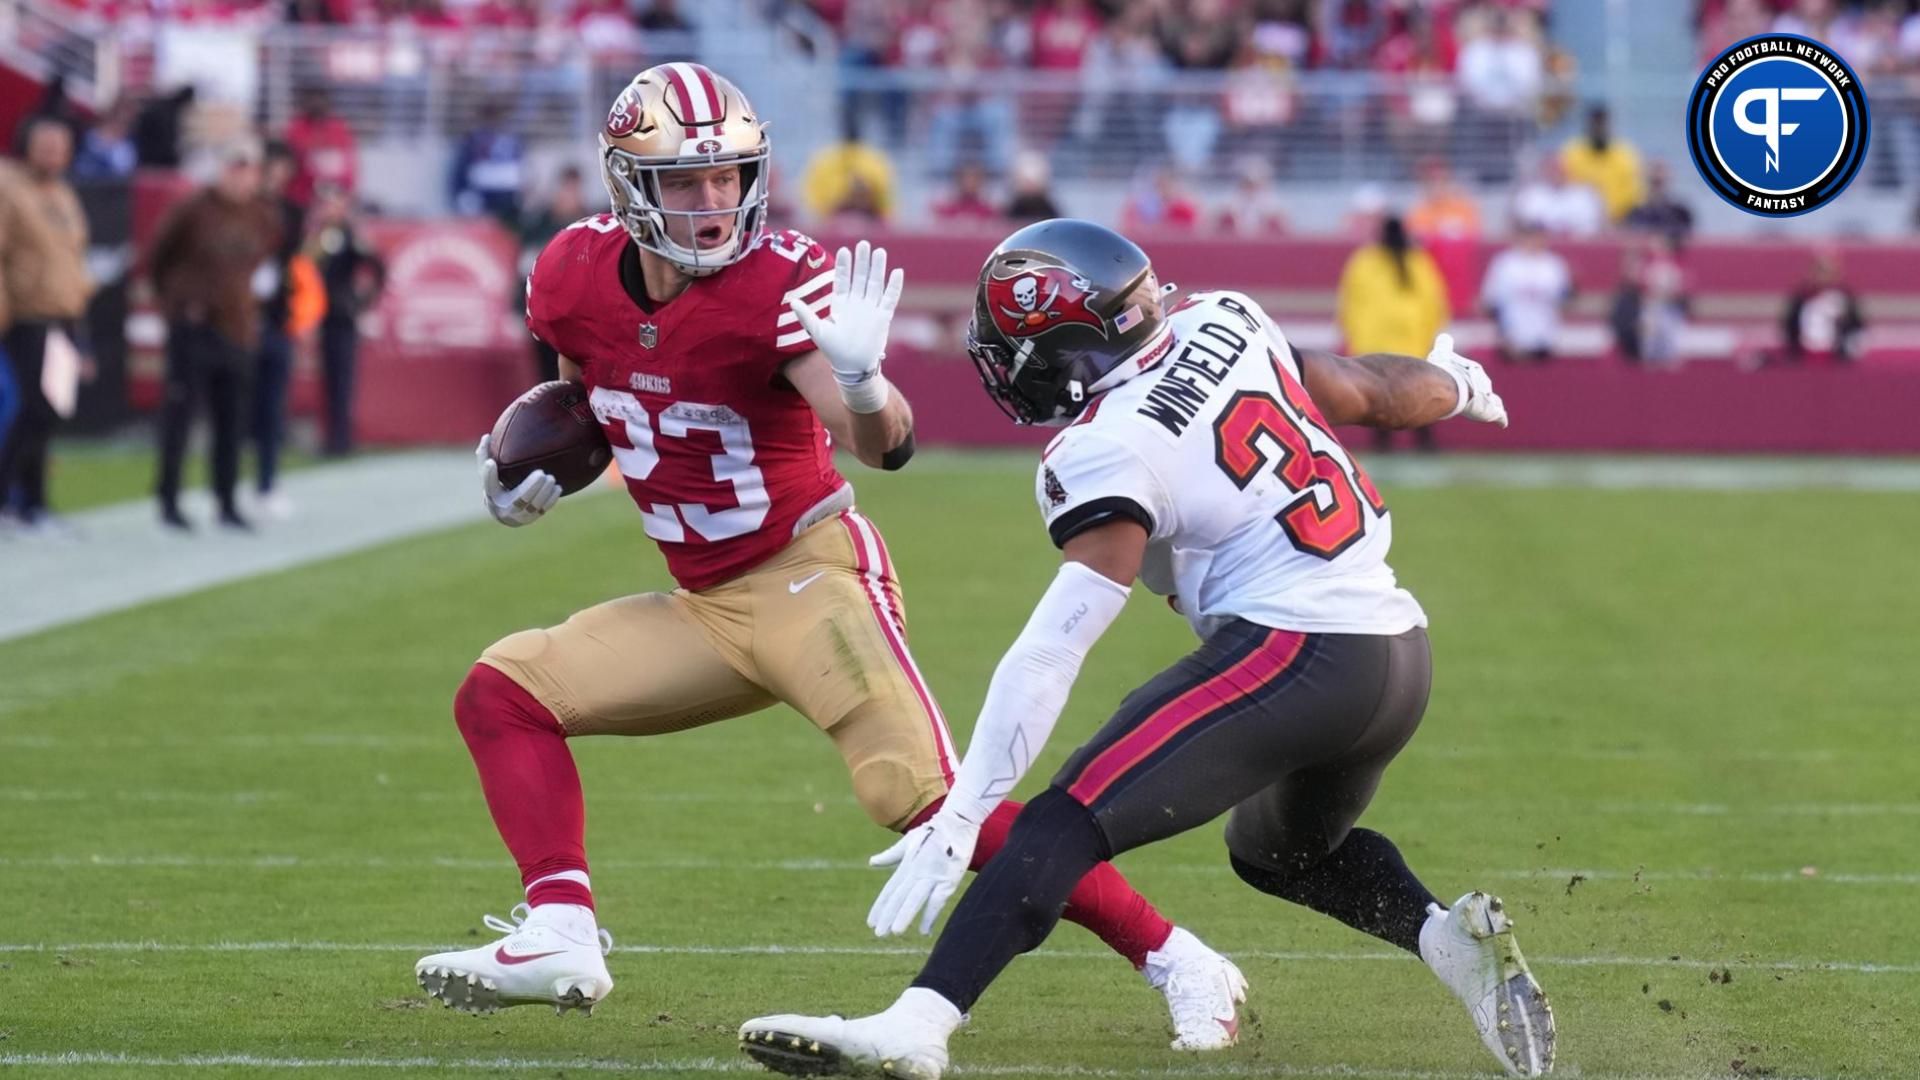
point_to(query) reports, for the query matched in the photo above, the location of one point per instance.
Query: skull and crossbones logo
(1036, 299)
(1032, 309)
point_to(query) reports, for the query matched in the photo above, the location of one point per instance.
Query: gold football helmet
(683, 116)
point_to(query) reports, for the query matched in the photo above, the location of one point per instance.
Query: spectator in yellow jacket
(1609, 165)
(1392, 300)
(848, 176)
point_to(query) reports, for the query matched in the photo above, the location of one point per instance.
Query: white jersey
(1252, 507)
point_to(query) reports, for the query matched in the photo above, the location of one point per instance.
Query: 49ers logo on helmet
(624, 118)
(1040, 298)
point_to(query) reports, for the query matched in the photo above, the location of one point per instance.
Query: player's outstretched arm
(1029, 689)
(861, 410)
(1386, 391)
(881, 440)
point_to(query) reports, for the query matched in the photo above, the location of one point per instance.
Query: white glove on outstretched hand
(854, 335)
(928, 864)
(524, 504)
(1477, 399)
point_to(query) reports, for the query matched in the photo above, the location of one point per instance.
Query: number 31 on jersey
(1253, 418)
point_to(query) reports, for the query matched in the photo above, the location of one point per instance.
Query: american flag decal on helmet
(1127, 319)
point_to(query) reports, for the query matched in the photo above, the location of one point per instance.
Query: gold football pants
(820, 626)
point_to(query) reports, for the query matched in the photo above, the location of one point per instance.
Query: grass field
(87, 473)
(1674, 729)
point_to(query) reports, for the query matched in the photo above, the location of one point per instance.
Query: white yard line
(1675, 753)
(347, 741)
(1556, 876)
(1650, 471)
(1572, 470)
(1285, 955)
(1612, 808)
(262, 741)
(125, 558)
(95, 1059)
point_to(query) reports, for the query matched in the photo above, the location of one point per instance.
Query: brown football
(551, 427)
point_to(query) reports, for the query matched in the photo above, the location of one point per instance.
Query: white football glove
(1477, 399)
(854, 335)
(928, 864)
(524, 504)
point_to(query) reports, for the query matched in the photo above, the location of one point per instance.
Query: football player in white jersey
(1199, 457)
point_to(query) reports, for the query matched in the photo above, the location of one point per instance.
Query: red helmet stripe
(679, 85)
(718, 110)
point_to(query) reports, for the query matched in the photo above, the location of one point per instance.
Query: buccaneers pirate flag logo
(1037, 299)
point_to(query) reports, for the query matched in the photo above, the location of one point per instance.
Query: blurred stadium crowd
(1436, 125)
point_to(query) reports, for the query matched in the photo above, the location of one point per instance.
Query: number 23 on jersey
(732, 466)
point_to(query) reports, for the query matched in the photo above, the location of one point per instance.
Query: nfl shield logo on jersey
(649, 335)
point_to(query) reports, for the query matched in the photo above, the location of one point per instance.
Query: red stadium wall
(445, 350)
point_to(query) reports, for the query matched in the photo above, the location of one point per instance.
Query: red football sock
(530, 782)
(1103, 902)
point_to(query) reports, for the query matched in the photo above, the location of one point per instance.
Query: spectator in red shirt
(431, 15)
(507, 14)
(968, 201)
(1162, 203)
(608, 30)
(325, 146)
(1422, 43)
(1062, 32)
(1253, 208)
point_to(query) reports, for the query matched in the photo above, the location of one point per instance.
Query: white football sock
(575, 922)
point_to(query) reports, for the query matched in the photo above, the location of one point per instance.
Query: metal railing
(1104, 124)
(47, 41)
(1333, 126)
(394, 82)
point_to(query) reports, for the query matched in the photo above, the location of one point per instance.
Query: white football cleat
(1202, 989)
(1471, 948)
(906, 1042)
(538, 962)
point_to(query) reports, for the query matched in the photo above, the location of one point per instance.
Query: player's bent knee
(1055, 813)
(1274, 881)
(489, 700)
(890, 793)
(1055, 837)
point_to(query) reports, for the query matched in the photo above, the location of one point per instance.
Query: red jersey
(722, 455)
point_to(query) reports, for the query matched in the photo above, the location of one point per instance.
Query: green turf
(1672, 684)
(84, 473)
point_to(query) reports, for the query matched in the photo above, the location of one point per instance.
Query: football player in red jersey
(724, 362)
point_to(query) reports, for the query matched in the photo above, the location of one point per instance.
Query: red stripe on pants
(1274, 656)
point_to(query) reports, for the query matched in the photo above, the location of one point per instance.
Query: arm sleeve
(1030, 687)
(1089, 478)
(810, 281)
